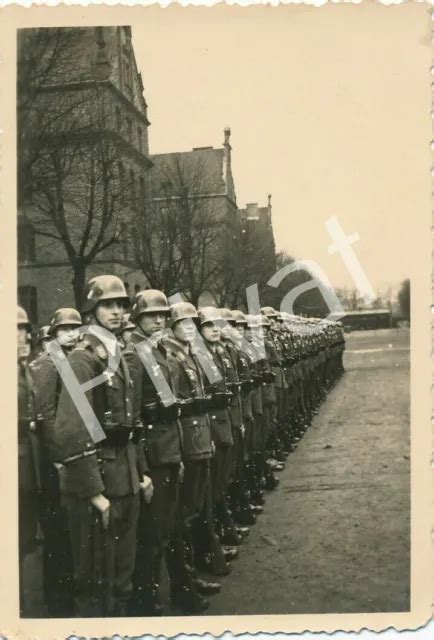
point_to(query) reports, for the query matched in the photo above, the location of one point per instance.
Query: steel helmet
(126, 323)
(227, 314)
(238, 316)
(22, 318)
(182, 311)
(43, 334)
(263, 321)
(64, 316)
(149, 301)
(104, 288)
(209, 314)
(251, 320)
(269, 312)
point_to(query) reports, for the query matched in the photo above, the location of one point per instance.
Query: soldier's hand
(243, 430)
(212, 447)
(181, 471)
(101, 503)
(147, 488)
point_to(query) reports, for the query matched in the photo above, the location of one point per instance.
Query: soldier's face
(229, 332)
(109, 314)
(152, 323)
(210, 332)
(67, 335)
(241, 330)
(185, 330)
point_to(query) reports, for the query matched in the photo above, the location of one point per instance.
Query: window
(128, 75)
(142, 194)
(121, 179)
(129, 129)
(27, 298)
(26, 242)
(118, 120)
(133, 199)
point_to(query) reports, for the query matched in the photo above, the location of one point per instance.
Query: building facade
(92, 111)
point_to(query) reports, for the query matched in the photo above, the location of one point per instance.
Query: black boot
(189, 601)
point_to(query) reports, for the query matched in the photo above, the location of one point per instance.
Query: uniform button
(128, 414)
(150, 426)
(88, 445)
(194, 421)
(213, 417)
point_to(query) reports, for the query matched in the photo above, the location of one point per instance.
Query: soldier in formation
(152, 440)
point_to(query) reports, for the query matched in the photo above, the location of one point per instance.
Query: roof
(205, 170)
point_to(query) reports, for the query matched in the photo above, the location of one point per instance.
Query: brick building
(260, 248)
(91, 106)
(121, 210)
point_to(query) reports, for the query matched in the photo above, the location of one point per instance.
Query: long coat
(163, 441)
(196, 441)
(114, 470)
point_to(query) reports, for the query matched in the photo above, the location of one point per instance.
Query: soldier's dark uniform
(238, 372)
(222, 431)
(103, 559)
(158, 520)
(196, 431)
(198, 538)
(28, 472)
(257, 367)
(57, 560)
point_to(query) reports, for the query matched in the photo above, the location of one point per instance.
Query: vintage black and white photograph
(217, 277)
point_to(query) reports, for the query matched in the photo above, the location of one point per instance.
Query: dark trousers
(194, 487)
(56, 557)
(205, 542)
(157, 522)
(27, 527)
(180, 553)
(221, 470)
(103, 560)
(237, 489)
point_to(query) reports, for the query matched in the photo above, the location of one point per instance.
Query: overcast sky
(319, 111)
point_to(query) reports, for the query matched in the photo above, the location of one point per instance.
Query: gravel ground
(335, 536)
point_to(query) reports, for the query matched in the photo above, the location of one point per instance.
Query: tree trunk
(78, 283)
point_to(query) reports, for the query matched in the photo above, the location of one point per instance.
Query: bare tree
(68, 151)
(43, 56)
(179, 228)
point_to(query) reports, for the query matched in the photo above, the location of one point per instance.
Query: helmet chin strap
(94, 320)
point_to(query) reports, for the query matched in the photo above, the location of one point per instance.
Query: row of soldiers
(202, 409)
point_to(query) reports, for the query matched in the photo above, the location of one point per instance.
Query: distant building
(244, 236)
(95, 185)
(364, 319)
(260, 248)
(94, 70)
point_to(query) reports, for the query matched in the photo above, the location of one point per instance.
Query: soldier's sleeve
(72, 444)
(47, 383)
